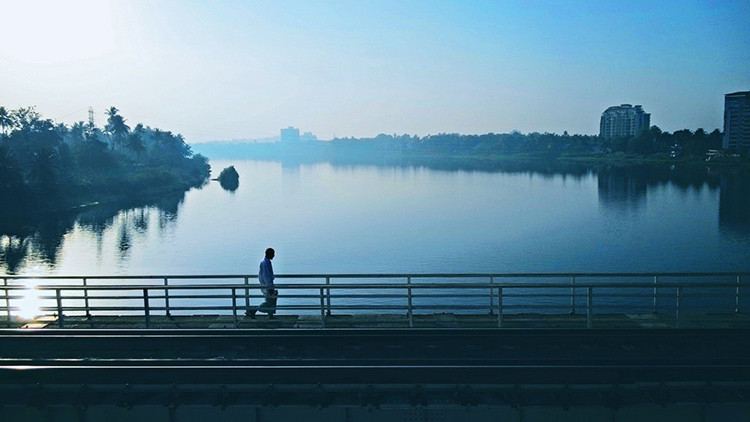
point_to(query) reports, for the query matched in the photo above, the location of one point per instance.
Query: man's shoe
(271, 316)
(251, 313)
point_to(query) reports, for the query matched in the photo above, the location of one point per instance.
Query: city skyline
(234, 71)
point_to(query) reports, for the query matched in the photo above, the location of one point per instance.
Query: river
(342, 218)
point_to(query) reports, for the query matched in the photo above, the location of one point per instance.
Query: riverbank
(77, 198)
(47, 167)
(373, 154)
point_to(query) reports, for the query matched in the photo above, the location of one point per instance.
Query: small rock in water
(229, 179)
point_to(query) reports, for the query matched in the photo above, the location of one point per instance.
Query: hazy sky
(244, 69)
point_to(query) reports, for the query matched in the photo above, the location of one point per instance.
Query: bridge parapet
(409, 300)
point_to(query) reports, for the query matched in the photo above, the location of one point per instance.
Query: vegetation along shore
(49, 167)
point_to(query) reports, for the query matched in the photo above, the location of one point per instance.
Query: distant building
(307, 137)
(737, 121)
(290, 134)
(623, 121)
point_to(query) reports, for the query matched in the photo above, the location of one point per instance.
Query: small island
(50, 167)
(229, 179)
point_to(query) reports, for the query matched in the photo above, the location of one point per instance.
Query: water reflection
(28, 236)
(621, 189)
(230, 184)
(30, 303)
(13, 251)
(290, 178)
(626, 187)
(734, 202)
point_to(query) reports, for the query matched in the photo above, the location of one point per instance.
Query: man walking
(265, 277)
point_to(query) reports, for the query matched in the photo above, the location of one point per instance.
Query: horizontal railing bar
(395, 275)
(138, 312)
(578, 285)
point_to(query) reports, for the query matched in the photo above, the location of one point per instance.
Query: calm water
(330, 218)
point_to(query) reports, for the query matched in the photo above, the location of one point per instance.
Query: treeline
(653, 142)
(55, 165)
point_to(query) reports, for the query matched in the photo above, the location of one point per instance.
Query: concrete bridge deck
(365, 374)
(437, 320)
(486, 362)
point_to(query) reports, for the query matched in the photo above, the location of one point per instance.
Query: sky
(244, 69)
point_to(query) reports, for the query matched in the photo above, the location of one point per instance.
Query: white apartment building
(623, 121)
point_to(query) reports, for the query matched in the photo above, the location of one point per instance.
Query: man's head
(270, 253)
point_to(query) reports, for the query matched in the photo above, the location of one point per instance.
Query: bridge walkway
(437, 320)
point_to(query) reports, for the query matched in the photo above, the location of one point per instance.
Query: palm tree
(78, 131)
(61, 129)
(116, 126)
(135, 143)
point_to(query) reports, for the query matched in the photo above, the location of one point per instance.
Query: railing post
(86, 298)
(247, 294)
(500, 306)
(328, 296)
(58, 296)
(166, 295)
(736, 295)
(492, 296)
(322, 310)
(656, 280)
(677, 307)
(146, 311)
(409, 308)
(590, 307)
(7, 299)
(572, 295)
(234, 306)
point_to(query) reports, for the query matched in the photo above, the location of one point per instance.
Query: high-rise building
(290, 134)
(623, 121)
(737, 121)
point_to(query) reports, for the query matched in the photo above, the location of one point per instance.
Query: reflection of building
(734, 202)
(737, 121)
(623, 121)
(290, 134)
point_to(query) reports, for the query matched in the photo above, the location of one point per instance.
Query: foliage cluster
(649, 143)
(55, 165)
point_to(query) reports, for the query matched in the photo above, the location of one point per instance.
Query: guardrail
(499, 295)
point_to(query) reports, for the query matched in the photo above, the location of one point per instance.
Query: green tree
(11, 177)
(116, 126)
(61, 129)
(135, 142)
(77, 132)
(25, 118)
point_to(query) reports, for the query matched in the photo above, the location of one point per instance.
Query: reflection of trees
(24, 234)
(124, 239)
(543, 168)
(13, 251)
(140, 221)
(168, 211)
(47, 241)
(621, 189)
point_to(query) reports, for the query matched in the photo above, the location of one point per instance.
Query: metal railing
(585, 296)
